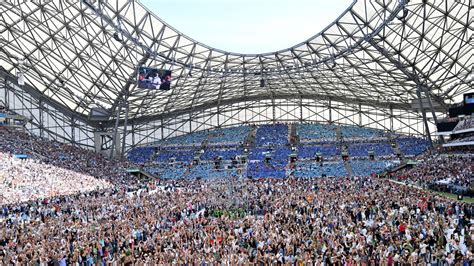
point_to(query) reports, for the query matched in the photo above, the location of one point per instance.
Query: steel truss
(365, 68)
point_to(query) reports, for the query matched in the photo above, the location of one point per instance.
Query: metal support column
(124, 129)
(73, 131)
(360, 114)
(41, 122)
(330, 112)
(114, 139)
(433, 113)
(391, 118)
(301, 109)
(422, 108)
(273, 109)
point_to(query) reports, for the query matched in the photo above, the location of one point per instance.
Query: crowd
(27, 179)
(363, 149)
(312, 169)
(272, 135)
(173, 170)
(466, 137)
(56, 165)
(370, 167)
(233, 135)
(309, 151)
(228, 153)
(449, 169)
(141, 155)
(316, 132)
(356, 133)
(412, 146)
(181, 154)
(275, 168)
(210, 171)
(339, 221)
(66, 205)
(194, 139)
(466, 123)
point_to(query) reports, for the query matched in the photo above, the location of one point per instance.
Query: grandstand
(313, 154)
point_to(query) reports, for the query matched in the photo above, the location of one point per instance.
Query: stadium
(124, 141)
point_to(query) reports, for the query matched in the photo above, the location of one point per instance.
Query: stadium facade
(391, 65)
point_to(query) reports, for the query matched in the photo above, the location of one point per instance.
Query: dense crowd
(24, 180)
(65, 205)
(466, 123)
(364, 149)
(272, 135)
(467, 137)
(361, 133)
(371, 167)
(56, 165)
(447, 168)
(410, 146)
(233, 135)
(311, 169)
(350, 221)
(316, 132)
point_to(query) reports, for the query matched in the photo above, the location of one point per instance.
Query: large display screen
(154, 79)
(469, 98)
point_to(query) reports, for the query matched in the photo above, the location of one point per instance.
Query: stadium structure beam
(122, 100)
(374, 103)
(35, 93)
(423, 113)
(411, 76)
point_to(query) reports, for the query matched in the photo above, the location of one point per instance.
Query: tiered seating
(181, 155)
(24, 180)
(52, 168)
(412, 146)
(278, 153)
(226, 153)
(141, 154)
(273, 135)
(208, 171)
(445, 169)
(466, 123)
(272, 141)
(257, 168)
(258, 153)
(166, 171)
(314, 169)
(329, 150)
(362, 149)
(281, 153)
(192, 139)
(366, 168)
(351, 132)
(316, 132)
(234, 135)
(467, 137)
(276, 169)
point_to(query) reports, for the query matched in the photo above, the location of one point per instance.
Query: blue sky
(248, 26)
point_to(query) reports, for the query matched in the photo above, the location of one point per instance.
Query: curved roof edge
(251, 54)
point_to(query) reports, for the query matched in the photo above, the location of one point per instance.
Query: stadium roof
(81, 54)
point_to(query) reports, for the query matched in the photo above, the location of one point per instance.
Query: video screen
(469, 98)
(154, 79)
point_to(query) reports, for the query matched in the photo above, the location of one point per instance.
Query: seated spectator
(451, 169)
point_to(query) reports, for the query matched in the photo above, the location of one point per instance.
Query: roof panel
(371, 51)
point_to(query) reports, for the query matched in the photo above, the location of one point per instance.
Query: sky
(248, 26)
